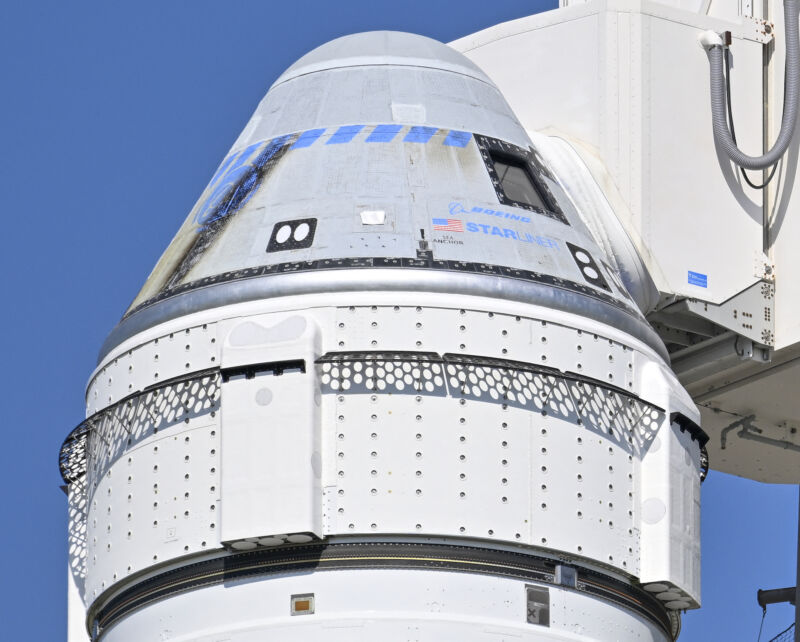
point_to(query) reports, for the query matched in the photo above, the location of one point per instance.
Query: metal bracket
(763, 268)
(746, 423)
(776, 596)
(759, 30)
(752, 432)
(751, 313)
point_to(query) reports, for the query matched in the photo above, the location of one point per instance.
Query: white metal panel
(271, 459)
(271, 338)
(528, 479)
(76, 610)
(584, 493)
(602, 74)
(164, 357)
(753, 414)
(688, 191)
(158, 501)
(784, 199)
(409, 463)
(78, 508)
(316, 303)
(754, 425)
(561, 86)
(361, 606)
(480, 332)
(670, 519)
(270, 449)
(669, 507)
(586, 478)
(589, 476)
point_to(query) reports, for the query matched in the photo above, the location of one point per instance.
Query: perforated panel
(473, 332)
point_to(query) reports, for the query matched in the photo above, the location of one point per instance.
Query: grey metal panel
(390, 123)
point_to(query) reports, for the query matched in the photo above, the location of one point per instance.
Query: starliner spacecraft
(430, 357)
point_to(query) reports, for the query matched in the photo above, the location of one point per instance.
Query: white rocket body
(384, 384)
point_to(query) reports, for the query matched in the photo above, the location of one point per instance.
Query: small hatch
(302, 604)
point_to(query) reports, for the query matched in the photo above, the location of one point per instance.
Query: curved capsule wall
(373, 165)
(384, 378)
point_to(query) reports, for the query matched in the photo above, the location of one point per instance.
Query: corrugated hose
(722, 132)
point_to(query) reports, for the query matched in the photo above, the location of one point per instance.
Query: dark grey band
(324, 556)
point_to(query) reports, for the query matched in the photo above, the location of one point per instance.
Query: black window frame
(493, 148)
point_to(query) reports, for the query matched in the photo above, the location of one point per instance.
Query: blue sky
(114, 116)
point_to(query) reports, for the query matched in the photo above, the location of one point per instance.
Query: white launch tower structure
(430, 357)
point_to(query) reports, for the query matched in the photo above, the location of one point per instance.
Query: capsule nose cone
(383, 48)
(379, 152)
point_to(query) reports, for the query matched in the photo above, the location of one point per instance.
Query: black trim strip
(687, 425)
(379, 355)
(426, 263)
(366, 556)
(276, 368)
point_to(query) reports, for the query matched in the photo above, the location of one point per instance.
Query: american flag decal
(447, 225)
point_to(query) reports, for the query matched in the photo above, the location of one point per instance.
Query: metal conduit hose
(722, 132)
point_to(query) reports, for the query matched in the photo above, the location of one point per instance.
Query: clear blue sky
(114, 116)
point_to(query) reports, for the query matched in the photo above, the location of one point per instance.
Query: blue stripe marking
(439, 221)
(384, 133)
(419, 134)
(457, 139)
(696, 278)
(308, 138)
(344, 134)
(222, 169)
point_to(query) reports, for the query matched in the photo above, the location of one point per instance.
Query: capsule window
(516, 181)
(518, 177)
